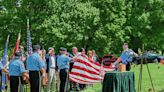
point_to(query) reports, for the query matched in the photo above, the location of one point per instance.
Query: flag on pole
(17, 45)
(29, 44)
(86, 71)
(4, 77)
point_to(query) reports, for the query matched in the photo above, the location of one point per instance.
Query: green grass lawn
(157, 74)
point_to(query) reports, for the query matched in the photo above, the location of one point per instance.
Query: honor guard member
(35, 66)
(62, 63)
(2, 69)
(75, 53)
(126, 56)
(16, 71)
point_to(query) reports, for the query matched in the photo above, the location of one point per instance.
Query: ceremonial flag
(87, 71)
(4, 63)
(29, 44)
(17, 45)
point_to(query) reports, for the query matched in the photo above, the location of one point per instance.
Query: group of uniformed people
(43, 71)
(18, 73)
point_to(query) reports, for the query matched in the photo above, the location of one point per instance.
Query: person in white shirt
(51, 66)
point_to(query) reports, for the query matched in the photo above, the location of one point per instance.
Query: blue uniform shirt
(62, 62)
(34, 62)
(1, 66)
(16, 67)
(127, 56)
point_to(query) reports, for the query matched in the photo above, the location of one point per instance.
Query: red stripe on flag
(78, 81)
(83, 75)
(85, 69)
(86, 63)
(82, 81)
(85, 78)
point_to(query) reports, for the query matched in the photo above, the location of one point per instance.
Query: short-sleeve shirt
(127, 56)
(34, 62)
(1, 66)
(16, 67)
(62, 62)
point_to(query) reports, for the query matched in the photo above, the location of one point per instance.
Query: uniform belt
(52, 67)
(34, 71)
(64, 69)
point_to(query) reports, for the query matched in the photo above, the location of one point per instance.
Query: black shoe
(77, 89)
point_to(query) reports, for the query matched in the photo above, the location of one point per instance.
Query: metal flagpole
(27, 49)
(140, 75)
(141, 68)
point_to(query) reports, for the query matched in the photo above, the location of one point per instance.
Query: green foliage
(102, 25)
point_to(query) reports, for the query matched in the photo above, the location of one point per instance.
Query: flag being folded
(87, 71)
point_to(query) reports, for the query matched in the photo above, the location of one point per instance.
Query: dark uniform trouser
(14, 83)
(0, 80)
(128, 67)
(71, 66)
(63, 79)
(34, 81)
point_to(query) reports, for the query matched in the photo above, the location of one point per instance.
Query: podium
(119, 82)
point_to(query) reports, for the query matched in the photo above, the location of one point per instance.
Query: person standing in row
(3, 69)
(82, 51)
(16, 72)
(63, 66)
(35, 66)
(51, 66)
(94, 57)
(126, 56)
(75, 53)
(90, 55)
(21, 50)
(42, 54)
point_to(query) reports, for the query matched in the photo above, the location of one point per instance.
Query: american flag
(4, 77)
(17, 45)
(29, 44)
(86, 71)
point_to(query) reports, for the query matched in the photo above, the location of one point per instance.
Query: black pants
(82, 86)
(34, 81)
(63, 79)
(128, 67)
(15, 82)
(71, 66)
